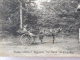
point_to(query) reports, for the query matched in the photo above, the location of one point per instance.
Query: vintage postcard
(40, 28)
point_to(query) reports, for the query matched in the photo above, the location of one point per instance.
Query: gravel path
(61, 47)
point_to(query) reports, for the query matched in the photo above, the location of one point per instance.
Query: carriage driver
(27, 30)
(24, 28)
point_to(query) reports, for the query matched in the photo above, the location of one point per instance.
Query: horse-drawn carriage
(28, 36)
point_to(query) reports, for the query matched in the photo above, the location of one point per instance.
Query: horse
(55, 32)
(51, 32)
(41, 36)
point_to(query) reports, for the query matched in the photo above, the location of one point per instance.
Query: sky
(39, 3)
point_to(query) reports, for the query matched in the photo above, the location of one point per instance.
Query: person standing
(53, 34)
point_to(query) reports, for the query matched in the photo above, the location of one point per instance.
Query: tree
(62, 13)
(57, 13)
(12, 15)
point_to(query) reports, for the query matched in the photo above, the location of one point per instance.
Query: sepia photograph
(40, 28)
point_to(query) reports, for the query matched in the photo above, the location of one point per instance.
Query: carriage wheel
(25, 40)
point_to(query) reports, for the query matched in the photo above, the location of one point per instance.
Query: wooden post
(21, 22)
(21, 8)
(78, 9)
(79, 35)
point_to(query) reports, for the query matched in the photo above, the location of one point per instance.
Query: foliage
(54, 14)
